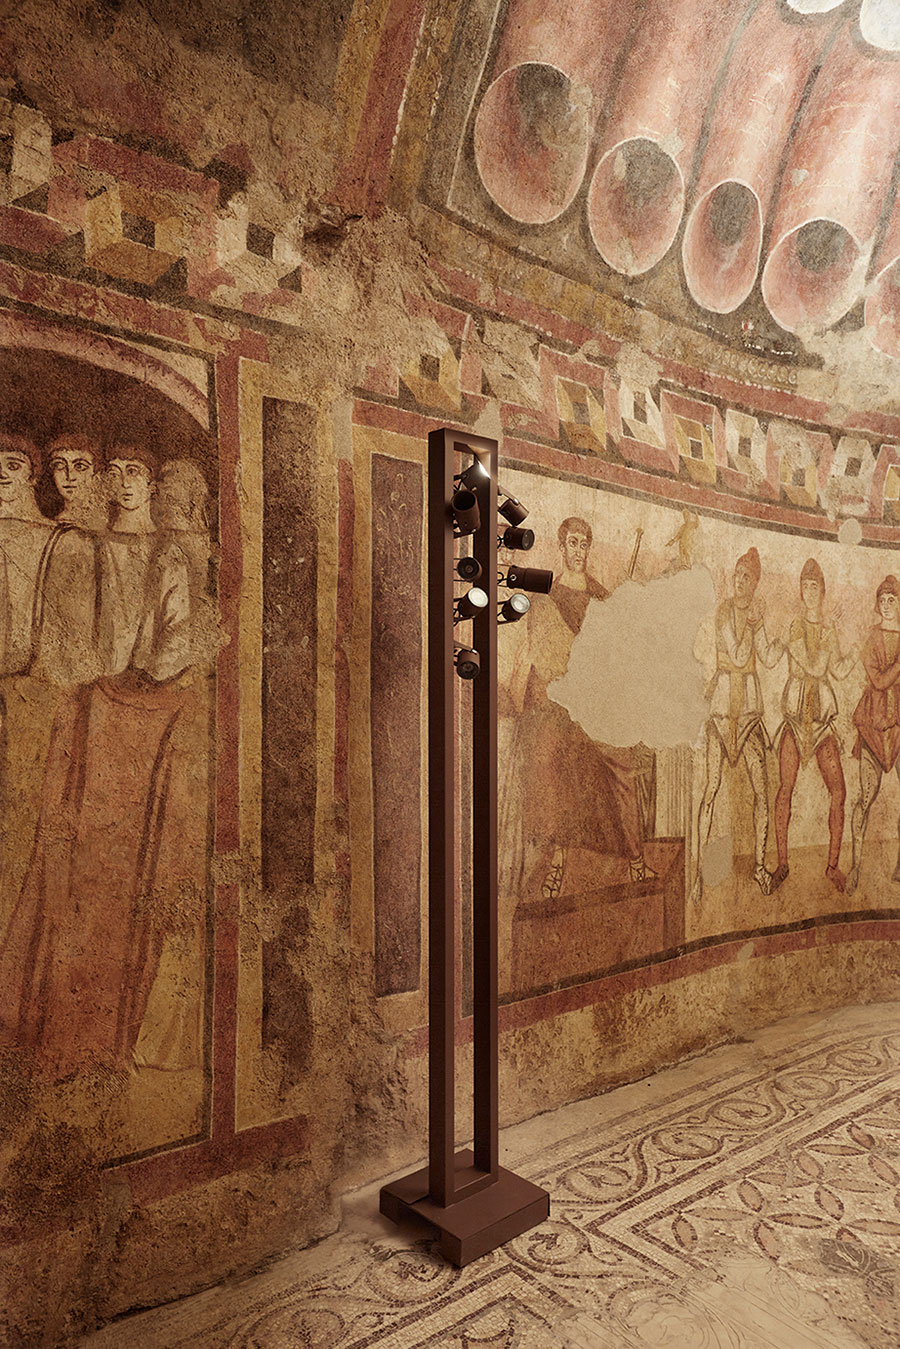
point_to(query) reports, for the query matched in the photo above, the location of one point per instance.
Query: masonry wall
(250, 252)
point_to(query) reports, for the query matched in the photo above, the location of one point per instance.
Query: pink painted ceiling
(758, 139)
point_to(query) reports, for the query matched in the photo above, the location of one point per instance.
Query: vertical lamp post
(470, 1201)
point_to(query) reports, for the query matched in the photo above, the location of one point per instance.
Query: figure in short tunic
(877, 717)
(735, 730)
(810, 709)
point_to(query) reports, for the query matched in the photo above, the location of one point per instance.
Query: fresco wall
(246, 266)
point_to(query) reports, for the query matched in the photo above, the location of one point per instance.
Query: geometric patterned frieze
(643, 440)
(25, 151)
(120, 235)
(804, 460)
(693, 431)
(582, 415)
(746, 451)
(850, 482)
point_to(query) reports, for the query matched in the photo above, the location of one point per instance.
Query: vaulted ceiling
(755, 140)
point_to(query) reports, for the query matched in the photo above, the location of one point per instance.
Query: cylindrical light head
(467, 662)
(513, 510)
(471, 603)
(466, 515)
(536, 579)
(515, 537)
(468, 568)
(514, 608)
(473, 475)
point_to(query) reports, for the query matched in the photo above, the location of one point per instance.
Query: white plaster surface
(633, 677)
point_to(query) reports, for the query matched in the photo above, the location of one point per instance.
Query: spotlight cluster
(511, 535)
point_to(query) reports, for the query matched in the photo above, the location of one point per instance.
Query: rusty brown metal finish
(470, 1201)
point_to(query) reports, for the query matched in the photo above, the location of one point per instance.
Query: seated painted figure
(593, 796)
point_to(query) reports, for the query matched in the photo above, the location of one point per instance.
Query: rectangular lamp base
(472, 1226)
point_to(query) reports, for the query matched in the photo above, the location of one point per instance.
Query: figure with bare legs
(877, 717)
(735, 730)
(810, 711)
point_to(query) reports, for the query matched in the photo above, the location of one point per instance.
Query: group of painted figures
(600, 798)
(102, 786)
(736, 730)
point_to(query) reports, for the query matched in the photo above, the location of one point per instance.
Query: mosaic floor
(748, 1199)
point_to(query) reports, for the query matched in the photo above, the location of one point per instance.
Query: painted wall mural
(109, 639)
(220, 359)
(713, 708)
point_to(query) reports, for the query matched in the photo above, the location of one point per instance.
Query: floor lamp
(466, 1198)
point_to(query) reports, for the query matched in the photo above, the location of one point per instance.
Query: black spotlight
(536, 579)
(515, 537)
(512, 508)
(471, 603)
(466, 515)
(473, 475)
(467, 661)
(514, 608)
(468, 568)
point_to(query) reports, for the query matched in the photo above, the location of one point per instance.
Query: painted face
(575, 549)
(73, 473)
(15, 475)
(130, 483)
(889, 607)
(811, 594)
(744, 585)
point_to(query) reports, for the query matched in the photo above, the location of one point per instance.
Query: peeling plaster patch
(831, 499)
(489, 423)
(673, 144)
(850, 532)
(509, 356)
(718, 860)
(860, 376)
(633, 677)
(636, 367)
(799, 176)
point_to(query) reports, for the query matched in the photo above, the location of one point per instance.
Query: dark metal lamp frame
(471, 1202)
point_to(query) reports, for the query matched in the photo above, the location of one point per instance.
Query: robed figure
(119, 844)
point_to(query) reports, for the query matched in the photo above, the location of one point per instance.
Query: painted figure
(877, 716)
(683, 539)
(181, 508)
(121, 837)
(810, 710)
(735, 730)
(591, 796)
(67, 603)
(26, 704)
(144, 576)
(76, 464)
(24, 535)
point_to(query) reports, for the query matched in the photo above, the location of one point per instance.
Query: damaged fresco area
(108, 640)
(697, 723)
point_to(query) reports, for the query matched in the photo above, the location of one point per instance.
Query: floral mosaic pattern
(746, 1199)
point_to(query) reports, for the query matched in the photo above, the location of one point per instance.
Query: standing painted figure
(810, 711)
(735, 730)
(877, 716)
